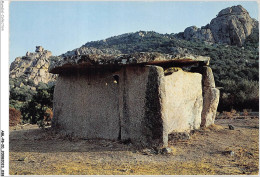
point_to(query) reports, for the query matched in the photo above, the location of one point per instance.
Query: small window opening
(116, 79)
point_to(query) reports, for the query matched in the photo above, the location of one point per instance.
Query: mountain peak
(234, 10)
(231, 26)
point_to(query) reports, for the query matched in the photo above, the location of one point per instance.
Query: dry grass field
(214, 150)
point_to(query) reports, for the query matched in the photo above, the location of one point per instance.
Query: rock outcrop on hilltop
(203, 34)
(33, 66)
(231, 26)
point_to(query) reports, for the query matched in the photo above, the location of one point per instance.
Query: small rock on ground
(166, 150)
(231, 127)
(22, 159)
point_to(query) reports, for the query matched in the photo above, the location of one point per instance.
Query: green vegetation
(20, 91)
(36, 110)
(240, 95)
(33, 102)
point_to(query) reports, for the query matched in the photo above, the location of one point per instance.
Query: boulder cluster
(33, 66)
(231, 26)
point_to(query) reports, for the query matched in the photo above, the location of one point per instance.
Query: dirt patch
(214, 150)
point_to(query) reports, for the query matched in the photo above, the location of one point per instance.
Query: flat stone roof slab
(60, 64)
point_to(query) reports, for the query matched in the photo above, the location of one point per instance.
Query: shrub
(240, 95)
(230, 114)
(227, 115)
(14, 116)
(38, 109)
(245, 112)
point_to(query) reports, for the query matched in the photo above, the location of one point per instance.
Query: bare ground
(214, 150)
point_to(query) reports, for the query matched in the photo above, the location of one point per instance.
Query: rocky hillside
(231, 26)
(122, 44)
(27, 75)
(33, 66)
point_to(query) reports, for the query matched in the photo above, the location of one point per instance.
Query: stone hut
(142, 97)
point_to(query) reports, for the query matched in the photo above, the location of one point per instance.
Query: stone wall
(132, 87)
(86, 105)
(108, 105)
(140, 104)
(183, 101)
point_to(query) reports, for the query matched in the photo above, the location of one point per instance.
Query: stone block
(208, 77)
(210, 105)
(183, 101)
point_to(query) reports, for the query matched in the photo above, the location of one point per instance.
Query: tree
(36, 111)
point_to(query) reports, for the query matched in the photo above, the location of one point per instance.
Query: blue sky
(63, 26)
